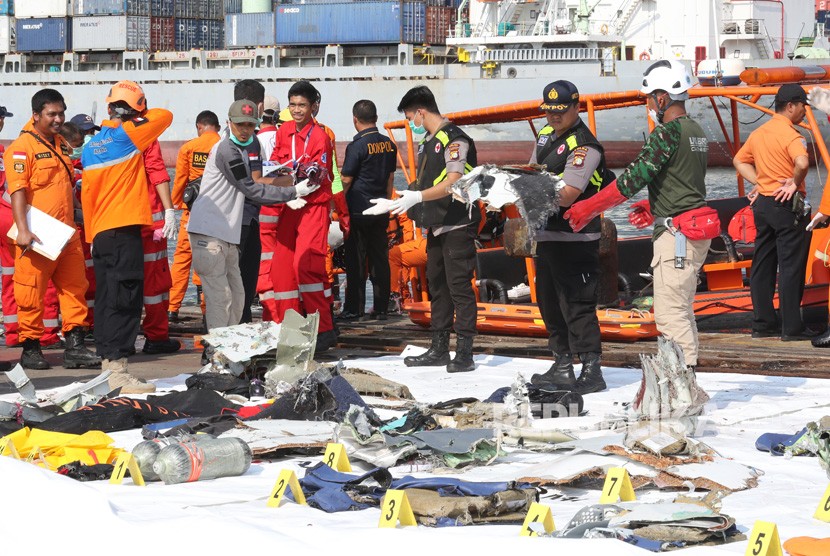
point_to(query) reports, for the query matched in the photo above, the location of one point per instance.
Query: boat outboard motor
(670, 76)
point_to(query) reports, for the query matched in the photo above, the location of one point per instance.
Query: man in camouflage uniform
(672, 165)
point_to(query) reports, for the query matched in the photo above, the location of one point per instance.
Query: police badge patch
(454, 154)
(579, 156)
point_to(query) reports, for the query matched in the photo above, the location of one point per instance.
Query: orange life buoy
(644, 55)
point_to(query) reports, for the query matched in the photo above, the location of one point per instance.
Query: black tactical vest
(432, 170)
(553, 153)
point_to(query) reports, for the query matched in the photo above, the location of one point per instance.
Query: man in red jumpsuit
(157, 280)
(298, 272)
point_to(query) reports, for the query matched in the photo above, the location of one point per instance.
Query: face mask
(654, 117)
(76, 153)
(240, 143)
(417, 130)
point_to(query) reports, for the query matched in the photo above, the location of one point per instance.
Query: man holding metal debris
(568, 292)
(672, 165)
(445, 154)
(217, 214)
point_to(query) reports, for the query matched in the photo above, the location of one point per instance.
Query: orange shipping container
(439, 21)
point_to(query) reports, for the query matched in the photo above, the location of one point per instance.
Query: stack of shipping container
(250, 23)
(7, 30)
(57, 26)
(111, 25)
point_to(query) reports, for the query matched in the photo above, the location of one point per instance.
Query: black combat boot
(76, 355)
(32, 357)
(437, 355)
(560, 375)
(154, 347)
(463, 360)
(590, 379)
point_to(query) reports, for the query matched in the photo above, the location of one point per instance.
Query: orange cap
(130, 92)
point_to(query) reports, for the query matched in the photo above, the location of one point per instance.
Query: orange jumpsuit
(44, 175)
(190, 165)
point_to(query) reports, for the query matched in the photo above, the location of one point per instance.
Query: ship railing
(536, 55)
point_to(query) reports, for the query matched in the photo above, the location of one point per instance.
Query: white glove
(817, 219)
(296, 204)
(170, 230)
(304, 189)
(406, 201)
(382, 206)
(819, 98)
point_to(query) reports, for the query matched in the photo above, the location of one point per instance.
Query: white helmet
(667, 75)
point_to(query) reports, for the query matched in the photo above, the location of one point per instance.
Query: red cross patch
(247, 109)
(561, 149)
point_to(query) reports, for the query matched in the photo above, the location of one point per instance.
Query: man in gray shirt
(216, 216)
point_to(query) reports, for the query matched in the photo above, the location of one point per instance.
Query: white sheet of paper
(53, 233)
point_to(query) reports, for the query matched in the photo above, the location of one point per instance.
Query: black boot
(76, 355)
(463, 360)
(437, 355)
(32, 357)
(560, 375)
(590, 379)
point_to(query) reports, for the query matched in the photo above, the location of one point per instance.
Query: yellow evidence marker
(617, 487)
(395, 507)
(126, 461)
(336, 458)
(538, 513)
(7, 449)
(823, 510)
(764, 540)
(287, 479)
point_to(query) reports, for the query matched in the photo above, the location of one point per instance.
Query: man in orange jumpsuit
(298, 272)
(50, 309)
(154, 238)
(41, 176)
(190, 165)
(116, 206)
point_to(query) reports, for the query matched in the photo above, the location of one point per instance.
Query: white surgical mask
(653, 115)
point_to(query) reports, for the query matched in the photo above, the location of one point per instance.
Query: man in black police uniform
(567, 263)
(368, 172)
(444, 155)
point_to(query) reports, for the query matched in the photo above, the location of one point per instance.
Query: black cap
(84, 122)
(5, 113)
(791, 92)
(559, 96)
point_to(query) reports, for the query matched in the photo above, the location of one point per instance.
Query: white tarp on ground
(41, 509)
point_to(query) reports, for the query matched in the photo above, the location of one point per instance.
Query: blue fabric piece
(328, 489)
(775, 443)
(499, 395)
(447, 486)
(394, 425)
(347, 396)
